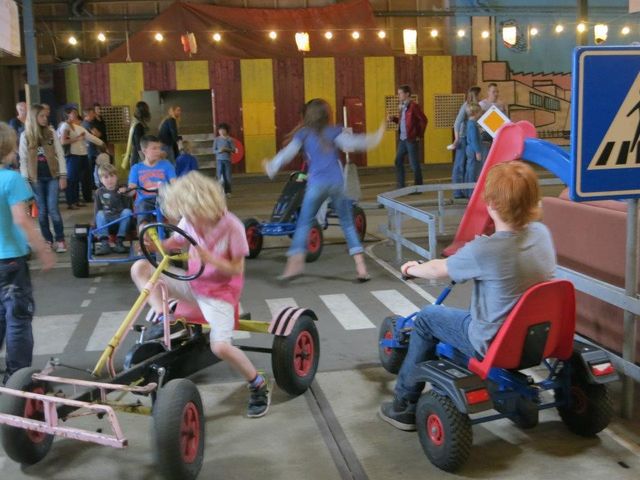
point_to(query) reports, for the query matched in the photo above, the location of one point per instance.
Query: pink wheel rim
(435, 429)
(313, 242)
(388, 336)
(190, 433)
(303, 353)
(34, 409)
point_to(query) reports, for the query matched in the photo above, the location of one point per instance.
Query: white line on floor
(93, 290)
(85, 303)
(624, 442)
(395, 301)
(105, 327)
(52, 332)
(277, 304)
(97, 280)
(346, 312)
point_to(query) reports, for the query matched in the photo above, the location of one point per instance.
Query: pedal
(139, 328)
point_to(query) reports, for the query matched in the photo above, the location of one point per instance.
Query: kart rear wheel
(445, 433)
(390, 358)
(590, 409)
(294, 359)
(178, 430)
(254, 237)
(360, 222)
(78, 253)
(24, 446)
(315, 241)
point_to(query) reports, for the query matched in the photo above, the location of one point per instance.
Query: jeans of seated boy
(313, 199)
(123, 224)
(46, 194)
(459, 164)
(223, 171)
(433, 324)
(409, 148)
(16, 313)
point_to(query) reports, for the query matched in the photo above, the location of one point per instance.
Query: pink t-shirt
(226, 240)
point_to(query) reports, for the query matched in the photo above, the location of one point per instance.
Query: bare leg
(361, 266)
(141, 272)
(295, 265)
(236, 358)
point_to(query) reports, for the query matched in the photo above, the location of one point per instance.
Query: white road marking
(85, 303)
(97, 280)
(346, 312)
(52, 332)
(105, 327)
(93, 290)
(277, 304)
(395, 301)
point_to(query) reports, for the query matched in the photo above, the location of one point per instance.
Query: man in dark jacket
(411, 125)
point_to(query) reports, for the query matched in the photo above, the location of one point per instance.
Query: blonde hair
(473, 110)
(186, 146)
(193, 196)
(7, 144)
(107, 169)
(512, 190)
(34, 133)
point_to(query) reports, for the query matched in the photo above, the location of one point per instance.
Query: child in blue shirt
(185, 162)
(475, 149)
(223, 147)
(149, 174)
(17, 232)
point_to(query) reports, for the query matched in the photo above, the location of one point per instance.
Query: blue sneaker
(259, 400)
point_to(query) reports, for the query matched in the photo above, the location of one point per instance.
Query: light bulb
(72, 40)
(159, 37)
(461, 33)
(433, 33)
(581, 27)
(356, 35)
(273, 35)
(216, 37)
(485, 34)
(382, 34)
(559, 28)
(328, 35)
(102, 37)
(533, 31)
(625, 30)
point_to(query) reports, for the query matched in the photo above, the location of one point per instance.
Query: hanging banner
(9, 27)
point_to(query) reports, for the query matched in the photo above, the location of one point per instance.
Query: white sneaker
(61, 247)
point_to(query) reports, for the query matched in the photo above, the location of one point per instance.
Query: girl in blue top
(321, 144)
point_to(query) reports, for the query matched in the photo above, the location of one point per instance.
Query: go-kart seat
(541, 325)
(192, 314)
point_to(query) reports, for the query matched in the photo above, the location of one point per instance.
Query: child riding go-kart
(34, 403)
(285, 215)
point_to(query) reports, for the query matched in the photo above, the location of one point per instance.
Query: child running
(222, 245)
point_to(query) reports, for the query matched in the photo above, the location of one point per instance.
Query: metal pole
(31, 53)
(583, 15)
(630, 284)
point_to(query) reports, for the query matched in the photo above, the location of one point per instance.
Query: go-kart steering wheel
(152, 259)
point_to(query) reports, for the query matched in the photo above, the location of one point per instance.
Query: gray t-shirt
(503, 266)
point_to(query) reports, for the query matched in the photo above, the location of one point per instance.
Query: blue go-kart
(539, 330)
(82, 248)
(285, 215)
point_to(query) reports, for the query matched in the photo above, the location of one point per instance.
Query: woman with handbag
(321, 144)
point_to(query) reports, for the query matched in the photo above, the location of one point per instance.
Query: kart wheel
(24, 446)
(254, 237)
(390, 358)
(526, 415)
(360, 222)
(294, 359)
(445, 433)
(590, 409)
(314, 242)
(141, 352)
(78, 253)
(178, 430)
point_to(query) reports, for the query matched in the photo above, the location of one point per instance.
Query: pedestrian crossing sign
(605, 128)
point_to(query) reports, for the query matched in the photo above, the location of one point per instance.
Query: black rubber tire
(16, 441)
(360, 222)
(314, 250)
(590, 409)
(141, 352)
(254, 237)
(176, 398)
(454, 445)
(78, 254)
(527, 414)
(390, 358)
(292, 376)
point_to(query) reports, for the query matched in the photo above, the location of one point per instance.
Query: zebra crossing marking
(104, 329)
(52, 332)
(395, 301)
(346, 312)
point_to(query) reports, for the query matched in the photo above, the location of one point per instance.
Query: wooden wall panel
(159, 76)
(192, 75)
(72, 84)
(464, 72)
(224, 79)
(319, 80)
(350, 83)
(288, 91)
(437, 80)
(379, 81)
(94, 84)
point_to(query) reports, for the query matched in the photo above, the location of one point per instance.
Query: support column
(32, 89)
(583, 16)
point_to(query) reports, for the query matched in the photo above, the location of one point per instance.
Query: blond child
(222, 245)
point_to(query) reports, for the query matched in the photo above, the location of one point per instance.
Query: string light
(581, 27)
(433, 33)
(102, 37)
(273, 35)
(625, 30)
(382, 34)
(485, 34)
(461, 33)
(328, 35)
(72, 40)
(216, 37)
(533, 31)
(356, 35)
(559, 28)
(158, 37)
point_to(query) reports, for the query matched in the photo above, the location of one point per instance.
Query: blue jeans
(459, 164)
(123, 224)
(472, 168)
(433, 324)
(78, 171)
(406, 147)
(16, 313)
(314, 196)
(46, 193)
(223, 170)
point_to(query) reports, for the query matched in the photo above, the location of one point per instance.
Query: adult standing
(460, 140)
(168, 133)
(137, 130)
(89, 124)
(98, 123)
(17, 233)
(17, 122)
(493, 99)
(411, 122)
(76, 136)
(321, 143)
(43, 164)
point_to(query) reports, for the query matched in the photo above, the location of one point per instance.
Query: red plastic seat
(546, 309)
(192, 314)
